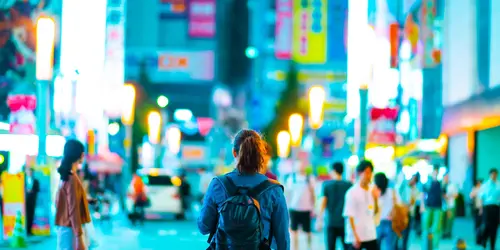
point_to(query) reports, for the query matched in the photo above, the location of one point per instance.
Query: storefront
(474, 131)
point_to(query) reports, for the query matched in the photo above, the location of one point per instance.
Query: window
(162, 180)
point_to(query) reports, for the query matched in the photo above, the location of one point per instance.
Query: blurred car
(163, 193)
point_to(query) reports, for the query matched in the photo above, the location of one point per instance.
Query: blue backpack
(239, 218)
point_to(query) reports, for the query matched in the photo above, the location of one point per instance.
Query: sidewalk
(463, 228)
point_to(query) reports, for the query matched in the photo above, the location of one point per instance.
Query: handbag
(90, 236)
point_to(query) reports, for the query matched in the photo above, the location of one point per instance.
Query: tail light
(176, 196)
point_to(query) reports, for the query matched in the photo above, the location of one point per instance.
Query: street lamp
(45, 38)
(283, 141)
(317, 98)
(295, 124)
(154, 130)
(154, 127)
(162, 101)
(174, 140)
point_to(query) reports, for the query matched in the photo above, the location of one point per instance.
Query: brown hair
(251, 151)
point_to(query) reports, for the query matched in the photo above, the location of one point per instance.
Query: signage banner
(284, 28)
(202, 18)
(309, 31)
(382, 129)
(172, 66)
(41, 223)
(13, 202)
(172, 9)
(427, 34)
(337, 31)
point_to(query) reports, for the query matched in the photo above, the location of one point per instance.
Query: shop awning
(479, 112)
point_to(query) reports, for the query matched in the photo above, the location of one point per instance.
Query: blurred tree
(286, 105)
(144, 103)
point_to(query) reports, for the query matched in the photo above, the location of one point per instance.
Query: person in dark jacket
(433, 208)
(32, 190)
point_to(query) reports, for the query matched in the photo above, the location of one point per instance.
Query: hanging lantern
(394, 37)
(412, 34)
(436, 55)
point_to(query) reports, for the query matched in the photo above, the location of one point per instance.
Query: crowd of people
(248, 209)
(371, 213)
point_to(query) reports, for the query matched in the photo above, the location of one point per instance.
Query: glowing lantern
(412, 33)
(394, 36)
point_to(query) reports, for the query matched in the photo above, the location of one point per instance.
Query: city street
(120, 235)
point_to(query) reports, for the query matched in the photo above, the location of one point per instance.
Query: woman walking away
(72, 210)
(388, 198)
(244, 209)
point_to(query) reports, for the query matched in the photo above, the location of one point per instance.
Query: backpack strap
(229, 185)
(256, 191)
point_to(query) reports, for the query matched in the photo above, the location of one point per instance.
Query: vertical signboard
(202, 19)
(284, 26)
(13, 202)
(427, 34)
(114, 60)
(337, 32)
(309, 31)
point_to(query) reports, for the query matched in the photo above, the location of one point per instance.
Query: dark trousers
(30, 214)
(491, 219)
(138, 213)
(367, 245)
(334, 233)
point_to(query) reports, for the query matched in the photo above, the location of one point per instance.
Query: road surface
(160, 235)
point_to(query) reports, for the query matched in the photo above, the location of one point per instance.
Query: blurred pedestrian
(185, 195)
(72, 212)
(300, 191)
(449, 206)
(333, 197)
(239, 225)
(476, 205)
(410, 194)
(490, 197)
(138, 193)
(32, 190)
(388, 198)
(361, 205)
(432, 208)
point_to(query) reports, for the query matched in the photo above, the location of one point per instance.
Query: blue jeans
(387, 239)
(65, 238)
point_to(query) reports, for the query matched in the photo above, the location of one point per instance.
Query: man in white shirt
(301, 201)
(490, 198)
(360, 209)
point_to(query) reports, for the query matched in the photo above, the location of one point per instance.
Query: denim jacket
(272, 203)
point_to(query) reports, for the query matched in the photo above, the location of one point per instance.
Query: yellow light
(45, 38)
(174, 140)
(295, 124)
(283, 141)
(128, 101)
(317, 98)
(154, 172)
(154, 125)
(2, 159)
(176, 181)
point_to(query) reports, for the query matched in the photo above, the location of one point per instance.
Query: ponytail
(65, 169)
(251, 152)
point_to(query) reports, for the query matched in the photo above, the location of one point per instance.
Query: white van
(162, 189)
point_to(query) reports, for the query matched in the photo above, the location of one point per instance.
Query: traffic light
(4, 160)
